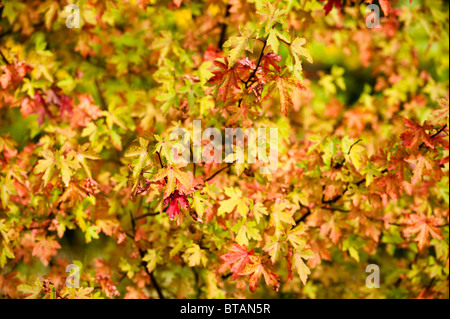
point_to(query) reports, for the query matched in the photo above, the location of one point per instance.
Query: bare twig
(144, 263)
(4, 58)
(219, 171)
(223, 29)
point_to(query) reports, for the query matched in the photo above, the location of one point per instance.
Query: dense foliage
(86, 175)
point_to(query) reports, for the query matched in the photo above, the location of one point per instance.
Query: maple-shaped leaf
(239, 44)
(226, 78)
(273, 247)
(235, 260)
(300, 254)
(281, 215)
(164, 147)
(256, 269)
(199, 204)
(84, 112)
(195, 256)
(273, 16)
(45, 248)
(83, 152)
(45, 166)
(83, 292)
(296, 236)
(91, 231)
(285, 87)
(174, 200)
(32, 291)
(416, 135)
(141, 151)
(270, 59)
(424, 164)
(423, 226)
(74, 192)
(173, 175)
(152, 257)
(236, 200)
(246, 231)
(440, 116)
(258, 211)
(67, 164)
(297, 51)
(353, 152)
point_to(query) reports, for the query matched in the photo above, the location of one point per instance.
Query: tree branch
(223, 29)
(4, 58)
(257, 65)
(144, 263)
(219, 171)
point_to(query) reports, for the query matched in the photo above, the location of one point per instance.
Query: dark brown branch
(439, 132)
(160, 161)
(435, 134)
(144, 263)
(308, 212)
(145, 215)
(253, 74)
(102, 99)
(219, 171)
(4, 58)
(350, 149)
(223, 29)
(257, 65)
(155, 284)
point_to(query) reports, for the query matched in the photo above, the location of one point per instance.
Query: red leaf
(385, 6)
(416, 135)
(330, 4)
(257, 269)
(175, 199)
(423, 226)
(236, 259)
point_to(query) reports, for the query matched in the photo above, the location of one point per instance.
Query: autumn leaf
(424, 227)
(45, 166)
(45, 248)
(175, 200)
(235, 260)
(174, 175)
(226, 78)
(256, 269)
(385, 6)
(280, 215)
(236, 201)
(238, 45)
(416, 135)
(301, 254)
(195, 256)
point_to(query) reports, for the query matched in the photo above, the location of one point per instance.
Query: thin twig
(253, 74)
(145, 215)
(144, 263)
(350, 149)
(4, 58)
(257, 64)
(102, 99)
(219, 171)
(223, 28)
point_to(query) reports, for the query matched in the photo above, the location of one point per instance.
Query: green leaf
(239, 44)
